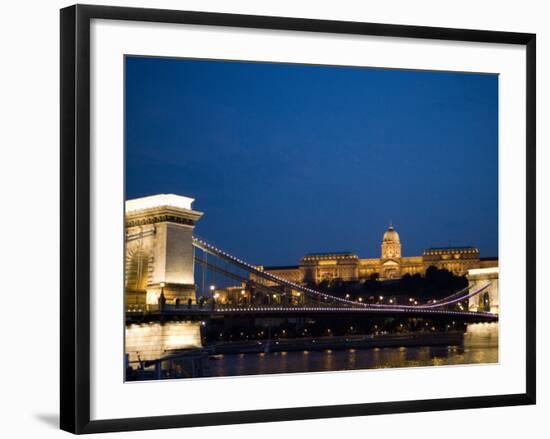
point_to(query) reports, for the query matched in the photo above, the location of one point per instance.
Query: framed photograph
(268, 219)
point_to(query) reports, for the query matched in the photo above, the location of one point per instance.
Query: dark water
(478, 347)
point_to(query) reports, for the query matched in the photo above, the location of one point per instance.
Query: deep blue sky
(291, 159)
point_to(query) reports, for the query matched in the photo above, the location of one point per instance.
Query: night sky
(287, 159)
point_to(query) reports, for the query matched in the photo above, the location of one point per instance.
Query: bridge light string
(324, 295)
(222, 310)
(203, 245)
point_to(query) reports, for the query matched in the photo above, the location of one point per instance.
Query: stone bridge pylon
(489, 300)
(159, 250)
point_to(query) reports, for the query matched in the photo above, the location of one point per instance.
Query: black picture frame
(75, 217)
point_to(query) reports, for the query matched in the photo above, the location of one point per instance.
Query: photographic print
(295, 218)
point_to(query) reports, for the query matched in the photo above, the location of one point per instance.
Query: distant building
(347, 266)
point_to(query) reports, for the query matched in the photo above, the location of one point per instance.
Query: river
(480, 346)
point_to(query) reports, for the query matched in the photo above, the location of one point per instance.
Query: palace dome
(390, 235)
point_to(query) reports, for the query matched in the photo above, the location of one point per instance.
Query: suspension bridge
(161, 229)
(310, 301)
(317, 302)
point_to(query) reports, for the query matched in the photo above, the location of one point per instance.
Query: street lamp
(162, 299)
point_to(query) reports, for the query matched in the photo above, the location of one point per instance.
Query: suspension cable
(209, 248)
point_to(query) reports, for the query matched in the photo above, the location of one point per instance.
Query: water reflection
(477, 348)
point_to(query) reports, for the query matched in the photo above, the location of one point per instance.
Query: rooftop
(467, 247)
(331, 254)
(159, 200)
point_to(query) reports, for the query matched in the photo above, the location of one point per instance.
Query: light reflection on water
(476, 349)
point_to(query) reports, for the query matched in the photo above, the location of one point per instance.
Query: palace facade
(318, 267)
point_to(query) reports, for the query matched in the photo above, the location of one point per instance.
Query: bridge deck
(299, 311)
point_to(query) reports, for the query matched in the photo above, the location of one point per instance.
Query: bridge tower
(159, 250)
(488, 300)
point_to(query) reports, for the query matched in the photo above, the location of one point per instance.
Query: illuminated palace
(320, 267)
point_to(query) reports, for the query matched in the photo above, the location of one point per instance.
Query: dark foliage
(435, 284)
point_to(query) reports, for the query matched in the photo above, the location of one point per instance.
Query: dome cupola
(391, 245)
(391, 235)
